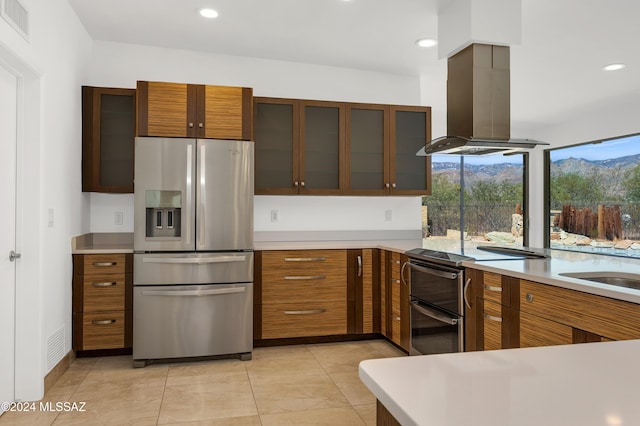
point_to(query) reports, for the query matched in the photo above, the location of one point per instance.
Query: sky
(612, 148)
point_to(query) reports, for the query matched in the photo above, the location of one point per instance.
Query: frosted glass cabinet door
(322, 146)
(367, 149)
(410, 131)
(276, 144)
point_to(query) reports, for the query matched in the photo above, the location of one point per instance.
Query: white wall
(121, 65)
(616, 117)
(52, 66)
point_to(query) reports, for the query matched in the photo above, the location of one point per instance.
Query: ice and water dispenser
(163, 213)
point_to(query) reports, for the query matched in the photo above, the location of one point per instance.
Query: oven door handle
(436, 272)
(435, 315)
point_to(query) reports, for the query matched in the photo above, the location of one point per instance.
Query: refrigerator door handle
(187, 237)
(195, 260)
(202, 197)
(179, 293)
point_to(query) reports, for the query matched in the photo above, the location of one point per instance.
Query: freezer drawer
(192, 321)
(192, 268)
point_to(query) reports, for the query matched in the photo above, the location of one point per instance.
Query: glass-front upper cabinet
(322, 146)
(108, 133)
(410, 131)
(276, 136)
(367, 149)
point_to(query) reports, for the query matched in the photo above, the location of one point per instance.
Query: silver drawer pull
(396, 318)
(397, 262)
(103, 264)
(104, 284)
(491, 317)
(305, 259)
(307, 312)
(492, 288)
(103, 322)
(305, 277)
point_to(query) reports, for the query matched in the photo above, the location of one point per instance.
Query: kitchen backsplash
(114, 213)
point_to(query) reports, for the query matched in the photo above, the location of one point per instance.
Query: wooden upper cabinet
(276, 136)
(108, 132)
(368, 152)
(321, 161)
(340, 148)
(191, 110)
(410, 131)
(299, 146)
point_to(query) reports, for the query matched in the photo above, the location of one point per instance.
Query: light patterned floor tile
(207, 401)
(352, 387)
(345, 416)
(367, 413)
(228, 421)
(282, 394)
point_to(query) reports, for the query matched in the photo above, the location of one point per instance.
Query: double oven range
(436, 301)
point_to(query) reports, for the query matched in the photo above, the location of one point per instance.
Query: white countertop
(584, 384)
(391, 245)
(547, 271)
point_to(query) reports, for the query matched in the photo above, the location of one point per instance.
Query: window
(493, 206)
(593, 197)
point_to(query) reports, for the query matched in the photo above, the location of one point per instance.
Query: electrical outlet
(274, 215)
(118, 218)
(387, 215)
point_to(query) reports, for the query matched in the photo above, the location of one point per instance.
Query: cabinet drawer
(492, 319)
(104, 264)
(303, 286)
(103, 330)
(492, 287)
(103, 293)
(303, 319)
(600, 315)
(536, 331)
(304, 260)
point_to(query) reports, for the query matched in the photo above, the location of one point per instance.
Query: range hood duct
(478, 105)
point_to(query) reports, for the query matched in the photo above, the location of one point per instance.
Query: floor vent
(14, 12)
(55, 348)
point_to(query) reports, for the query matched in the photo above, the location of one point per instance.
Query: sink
(620, 279)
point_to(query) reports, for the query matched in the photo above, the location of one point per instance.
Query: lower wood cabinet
(102, 301)
(395, 314)
(303, 293)
(506, 312)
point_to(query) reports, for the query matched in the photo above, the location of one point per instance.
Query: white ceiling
(555, 71)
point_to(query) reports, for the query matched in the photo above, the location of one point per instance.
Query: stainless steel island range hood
(478, 105)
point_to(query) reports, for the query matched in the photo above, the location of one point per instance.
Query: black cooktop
(441, 257)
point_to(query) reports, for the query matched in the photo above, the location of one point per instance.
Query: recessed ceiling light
(208, 13)
(613, 67)
(426, 42)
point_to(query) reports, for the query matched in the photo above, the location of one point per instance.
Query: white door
(8, 138)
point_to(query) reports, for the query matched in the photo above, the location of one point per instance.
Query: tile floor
(286, 385)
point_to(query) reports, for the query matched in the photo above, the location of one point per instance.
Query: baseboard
(57, 371)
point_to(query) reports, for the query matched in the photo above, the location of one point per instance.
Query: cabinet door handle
(306, 312)
(103, 322)
(395, 318)
(191, 125)
(305, 277)
(104, 264)
(397, 262)
(491, 317)
(404, 265)
(201, 125)
(386, 185)
(393, 185)
(104, 284)
(302, 184)
(359, 266)
(295, 183)
(464, 293)
(305, 259)
(529, 297)
(492, 288)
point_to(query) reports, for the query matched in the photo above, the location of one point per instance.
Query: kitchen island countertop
(584, 384)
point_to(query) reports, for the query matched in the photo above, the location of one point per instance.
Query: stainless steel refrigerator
(193, 249)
